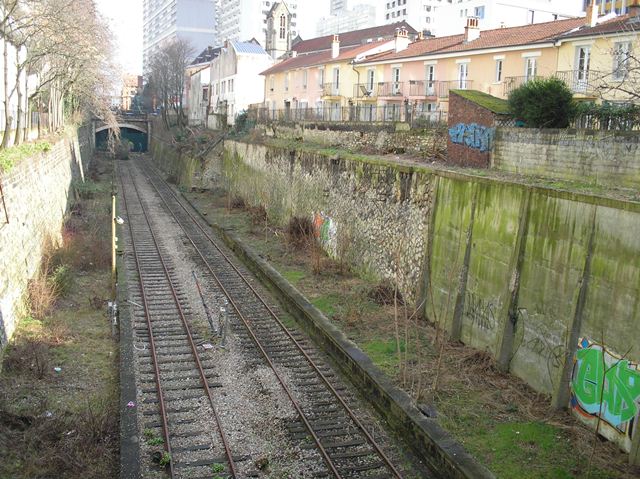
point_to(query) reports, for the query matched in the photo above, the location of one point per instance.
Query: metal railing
(331, 89)
(400, 112)
(511, 83)
(391, 88)
(423, 88)
(579, 81)
(445, 86)
(365, 90)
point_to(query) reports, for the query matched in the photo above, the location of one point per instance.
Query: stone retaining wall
(37, 196)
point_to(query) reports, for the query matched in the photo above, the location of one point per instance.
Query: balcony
(511, 83)
(391, 89)
(331, 89)
(421, 88)
(583, 82)
(365, 90)
(445, 86)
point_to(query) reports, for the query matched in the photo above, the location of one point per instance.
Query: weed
(217, 467)
(165, 459)
(61, 280)
(41, 296)
(300, 232)
(11, 156)
(238, 203)
(31, 357)
(258, 215)
(149, 434)
(156, 441)
(86, 189)
(385, 294)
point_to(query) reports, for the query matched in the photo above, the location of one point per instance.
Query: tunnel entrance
(137, 138)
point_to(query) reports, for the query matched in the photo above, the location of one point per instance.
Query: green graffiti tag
(609, 381)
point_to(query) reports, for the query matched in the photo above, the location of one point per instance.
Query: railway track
(329, 418)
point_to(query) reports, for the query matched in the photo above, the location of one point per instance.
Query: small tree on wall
(543, 103)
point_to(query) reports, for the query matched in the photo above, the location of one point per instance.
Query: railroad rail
(169, 382)
(321, 401)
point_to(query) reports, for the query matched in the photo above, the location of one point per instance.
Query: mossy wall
(371, 216)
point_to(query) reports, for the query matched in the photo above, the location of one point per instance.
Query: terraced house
(593, 55)
(318, 79)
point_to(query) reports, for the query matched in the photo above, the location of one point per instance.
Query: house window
(431, 80)
(583, 59)
(479, 12)
(336, 80)
(530, 68)
(283, 27)
(463, 73)
(286, 81)
(321, 76)
(621, 53)
(205, 94)
(395, 77)
(530, 16)
(272, 82)
(371, 75)
(304, 79)
(498, 71)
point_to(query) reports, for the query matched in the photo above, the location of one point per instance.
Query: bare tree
(66, 47)
(167, 75)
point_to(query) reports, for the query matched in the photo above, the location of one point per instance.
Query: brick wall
(470, 132)
(36, 195)
(599, 157)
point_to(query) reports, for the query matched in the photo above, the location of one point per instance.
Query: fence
(607, 122)
(356, 113)
(29, 119)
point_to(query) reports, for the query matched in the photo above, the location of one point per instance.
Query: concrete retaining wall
(598, 157)
(36, 195)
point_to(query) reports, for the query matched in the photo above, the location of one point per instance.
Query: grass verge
(59, 383)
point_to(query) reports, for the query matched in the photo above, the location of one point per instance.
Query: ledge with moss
(492, 103)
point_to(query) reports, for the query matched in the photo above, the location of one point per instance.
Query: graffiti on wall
(472, 135)
(607, 386)
(480, 312)
(325, 230)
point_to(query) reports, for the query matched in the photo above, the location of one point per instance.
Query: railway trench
(226, 385)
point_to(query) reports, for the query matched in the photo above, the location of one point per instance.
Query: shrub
(543, 103)
(300, 231)
(607, 116)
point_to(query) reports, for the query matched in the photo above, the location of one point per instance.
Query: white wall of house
(198, 99)
(236, 82)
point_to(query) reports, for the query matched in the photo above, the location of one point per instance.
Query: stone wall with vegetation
(428, 143)
(597, 157)
(546, 282)
(37, 192)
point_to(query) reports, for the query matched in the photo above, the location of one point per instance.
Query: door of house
(431, 80)
(463, 73)
(583, 60)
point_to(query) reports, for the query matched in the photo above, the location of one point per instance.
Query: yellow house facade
(600, 62)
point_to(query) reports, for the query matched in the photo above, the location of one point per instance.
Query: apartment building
(242, 20)
(448, 17)
(452, 15)
(361, 16)
(165, 20)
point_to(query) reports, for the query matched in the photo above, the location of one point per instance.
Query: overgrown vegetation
(543, 103)
(607, 116)
(10, 156)
(58, 408)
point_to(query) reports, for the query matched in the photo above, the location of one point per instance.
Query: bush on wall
(543, 103)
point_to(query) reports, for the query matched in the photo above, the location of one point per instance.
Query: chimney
(335, 47)
(401, 39)
(472, 30)
(592, 14)
(294, 53)
(633, 7)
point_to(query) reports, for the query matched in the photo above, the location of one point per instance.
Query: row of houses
(383, 73)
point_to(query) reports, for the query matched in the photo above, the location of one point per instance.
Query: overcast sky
(125, 20)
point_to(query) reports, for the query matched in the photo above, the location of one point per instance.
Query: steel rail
(203, 377)
(309, 360)
(152, 344)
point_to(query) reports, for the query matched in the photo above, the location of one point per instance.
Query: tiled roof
(353, 38)
(500, 37)
(321, 58)
(622, 23)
